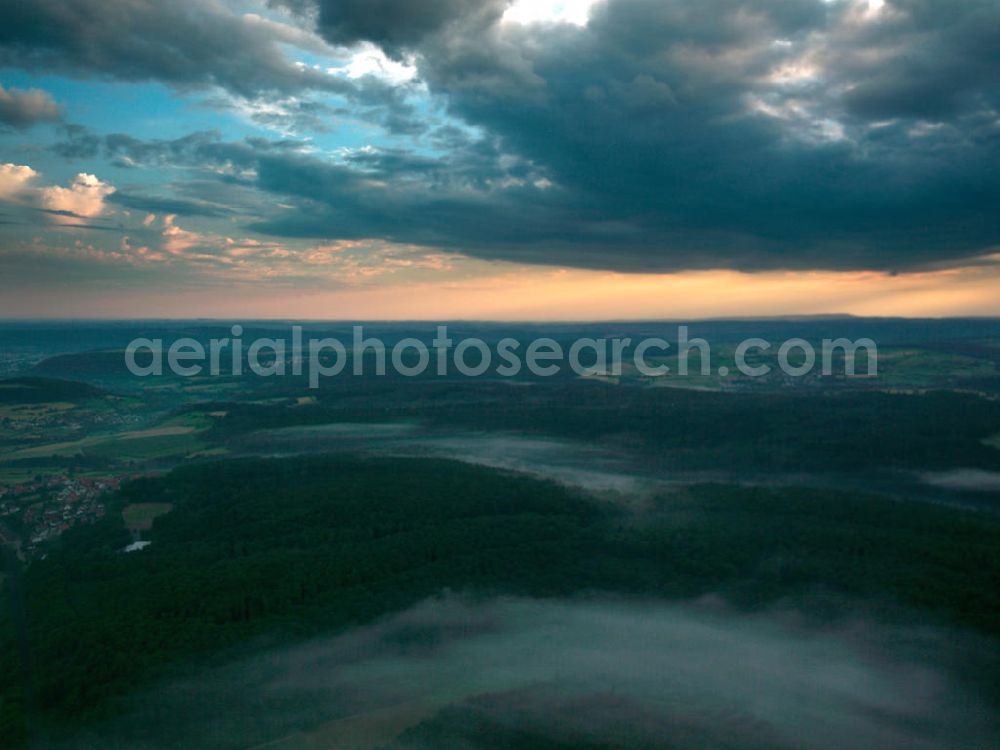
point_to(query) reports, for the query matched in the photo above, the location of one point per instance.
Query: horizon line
(792, 317)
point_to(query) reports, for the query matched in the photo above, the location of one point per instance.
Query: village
(37, 511)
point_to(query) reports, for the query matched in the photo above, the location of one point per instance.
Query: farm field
(140, 516)
(177, 437)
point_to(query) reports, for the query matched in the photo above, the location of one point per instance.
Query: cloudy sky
(499, 158)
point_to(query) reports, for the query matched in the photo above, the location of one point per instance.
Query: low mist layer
(514, 673)
(969, 480)
(571, 463)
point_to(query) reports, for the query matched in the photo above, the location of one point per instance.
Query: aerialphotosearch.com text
(651, 357)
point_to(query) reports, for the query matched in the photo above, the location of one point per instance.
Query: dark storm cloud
(188, 43)
(938, 60)
(456, 203)
(747, 133)
(665, 134)
(20, 109)
(181, 42)
(390, 23)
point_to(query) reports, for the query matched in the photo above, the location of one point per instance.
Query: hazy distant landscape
(608, 554)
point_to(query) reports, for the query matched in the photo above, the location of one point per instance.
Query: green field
(16, 475)
(919, 368)
(898, 368)
(179, 437)
(32, 411)
(140, 516)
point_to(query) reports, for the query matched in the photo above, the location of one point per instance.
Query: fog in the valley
(572, 464)
(594, 468)
(514, 673)
(968, 480)
(605, 468)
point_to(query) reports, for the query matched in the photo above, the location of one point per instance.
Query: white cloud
(83, 199)
(576, 12)
(369, 59)
(874, 6)
(175, 239)
(14, 179)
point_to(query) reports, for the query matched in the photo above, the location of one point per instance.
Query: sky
(499, 159)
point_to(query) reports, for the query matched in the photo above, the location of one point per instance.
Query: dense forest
(35, 390)
(760, 432)
(266, 551)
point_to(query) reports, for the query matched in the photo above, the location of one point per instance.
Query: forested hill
(35, 390)
(295, 547)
